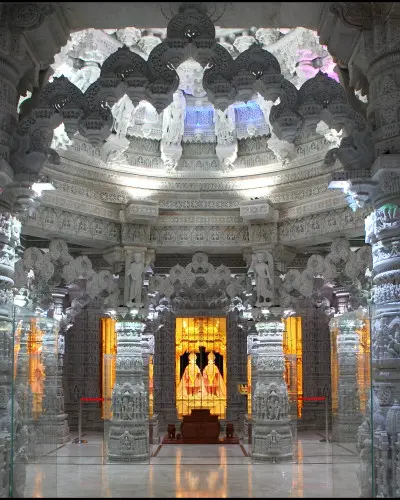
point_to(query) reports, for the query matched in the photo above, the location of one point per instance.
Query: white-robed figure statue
(262, 266)
(135, 275)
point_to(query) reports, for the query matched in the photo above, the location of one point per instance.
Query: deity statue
(173, 120)
(124, 114)
(225, 126)
(264, 283)
(191, 381)
(273, 406)
(135, 275)
(214, 384)
(87, 75)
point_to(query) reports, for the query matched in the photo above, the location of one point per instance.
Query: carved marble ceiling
(201, 161)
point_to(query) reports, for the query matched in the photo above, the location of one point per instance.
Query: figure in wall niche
(173, 120)
(191, 381)
(135, 275)
(262, 266)
(213, 383)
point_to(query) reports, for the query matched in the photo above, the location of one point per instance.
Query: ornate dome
(224, 132)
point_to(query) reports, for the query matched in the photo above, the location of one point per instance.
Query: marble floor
(319, 469)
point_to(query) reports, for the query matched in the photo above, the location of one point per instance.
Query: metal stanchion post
(79, 439)
(326, 420)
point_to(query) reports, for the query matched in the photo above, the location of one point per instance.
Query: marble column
(347, 417)
(371, 173)
(148, 350)
(47, 424)
(63, 435)
(271, 433)
(128, 437)
(164, 377)
(236, 371)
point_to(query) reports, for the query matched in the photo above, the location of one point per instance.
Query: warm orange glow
(363, 364)
(17, 345)
(293, 346)
(36, 367)
(249, 384)
(151, 386)
(108, 360)
(334, 327)
(194, 484)
(205, 387)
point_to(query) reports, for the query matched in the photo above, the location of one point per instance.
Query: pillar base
(272, 441)
(128, 442)
(154, 433)
(345, 428)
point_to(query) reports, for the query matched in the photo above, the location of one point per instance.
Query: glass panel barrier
(351, 388)
(294, 402)
(36, 405)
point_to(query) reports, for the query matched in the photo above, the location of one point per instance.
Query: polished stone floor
(319, 469)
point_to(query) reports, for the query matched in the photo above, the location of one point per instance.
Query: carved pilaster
(164, 376)
(347, 414)
(271, 434)
(128, 439)
(48, 420)
(63, 436)
(236, 368)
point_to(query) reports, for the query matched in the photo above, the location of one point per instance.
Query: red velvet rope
(320, 398)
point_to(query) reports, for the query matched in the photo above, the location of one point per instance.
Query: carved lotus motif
(46, 269)
(306, 285)
(106, 281)
(340, 249)
(364, 257)
(93, 288)
(292, 280)
(83, 267)
(177, 273)
(315, 266)
(330, 271)
(155, 283)
(57, 249)
(33, 258)
(167, 288)
(223, 273)
(351, 268)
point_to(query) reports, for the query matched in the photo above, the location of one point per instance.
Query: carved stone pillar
(63, 435)
(347, 416)
(164, 373)
(128, 438)
(48, 420)
(371, 161)
(271, 433)
(236, 368)
(148, 350)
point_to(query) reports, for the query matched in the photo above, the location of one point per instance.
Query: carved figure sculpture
(123, 112)
(264, 286)
(173, 120)
(190, 383)
(214, 384)
(273, 406)
(224, 126)
(135, 275)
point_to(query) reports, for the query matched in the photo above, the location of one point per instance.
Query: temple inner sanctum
(199, 249)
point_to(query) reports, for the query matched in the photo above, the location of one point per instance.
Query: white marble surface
(196, 471)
